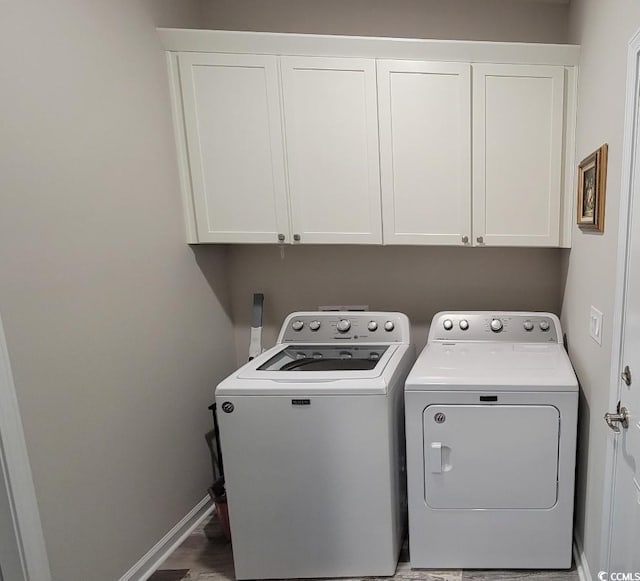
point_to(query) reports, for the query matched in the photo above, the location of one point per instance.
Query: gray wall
(499, 20)
(603, 29)
(175, 13)
(418, 281)
(115, 333)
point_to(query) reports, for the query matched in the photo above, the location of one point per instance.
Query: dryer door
(491, 456)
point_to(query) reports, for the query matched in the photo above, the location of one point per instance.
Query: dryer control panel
(513, 327)
(345, 327)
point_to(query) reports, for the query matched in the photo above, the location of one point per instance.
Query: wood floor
(206, 556)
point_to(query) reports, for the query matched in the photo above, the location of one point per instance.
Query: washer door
(491, 456)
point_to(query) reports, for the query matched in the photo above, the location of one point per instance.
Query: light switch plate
(595, 325)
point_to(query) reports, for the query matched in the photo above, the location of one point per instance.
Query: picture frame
(592, 185)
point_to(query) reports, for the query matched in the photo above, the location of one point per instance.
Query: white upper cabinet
(517, 149)
(373, 140)
(235, 148)
(425, 151)
(331, 135)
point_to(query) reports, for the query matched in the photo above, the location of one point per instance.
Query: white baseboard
(152, 560)
(582, 565)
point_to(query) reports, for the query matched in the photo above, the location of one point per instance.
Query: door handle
(617, 419)
(435, 457)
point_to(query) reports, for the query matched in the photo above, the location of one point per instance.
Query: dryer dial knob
(297, 325)
(496, 325)
(372, 326)
(314, 325)
(464, 324)
(544, 325)
(343, 325)
(389, 326)
(447, 324)
(528, 326)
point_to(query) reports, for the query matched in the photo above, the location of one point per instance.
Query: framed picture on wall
(592, 185)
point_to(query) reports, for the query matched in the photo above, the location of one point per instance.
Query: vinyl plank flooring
(486, 575)
(206, 577)
(204, 552)
(169, 575)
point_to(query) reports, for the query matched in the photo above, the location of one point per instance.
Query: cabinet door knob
(296, 237)
(281, 237)
(480, 240)
(465, 240)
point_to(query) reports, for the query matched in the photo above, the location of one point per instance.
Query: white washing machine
(312, 435)
(491, 412)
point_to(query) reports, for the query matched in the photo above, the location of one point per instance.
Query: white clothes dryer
(312, 435)
(491, 413)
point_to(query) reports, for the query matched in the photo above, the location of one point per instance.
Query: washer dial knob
(447, 324)
(544, 325)
(528, 326)
(464, 324)
(496, 325)
(343, 325)
(389, 326)
(297, 325)
(372, 326)
(314, 325)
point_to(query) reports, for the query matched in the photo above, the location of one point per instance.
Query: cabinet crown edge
(470, 51)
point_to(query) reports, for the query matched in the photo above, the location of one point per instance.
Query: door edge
(631, 140)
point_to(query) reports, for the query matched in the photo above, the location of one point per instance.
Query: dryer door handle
(435, 457)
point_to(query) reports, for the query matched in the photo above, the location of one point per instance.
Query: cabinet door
(425, 151)
(517, 147)
(234, 137)
(331, 134)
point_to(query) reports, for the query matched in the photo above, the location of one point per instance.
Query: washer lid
(494, 366)
(275, 371)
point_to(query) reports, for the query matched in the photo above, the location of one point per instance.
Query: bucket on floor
(222, 511)
(219, 496)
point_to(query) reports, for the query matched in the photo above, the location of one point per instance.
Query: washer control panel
(345, 326)
(514, 327)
